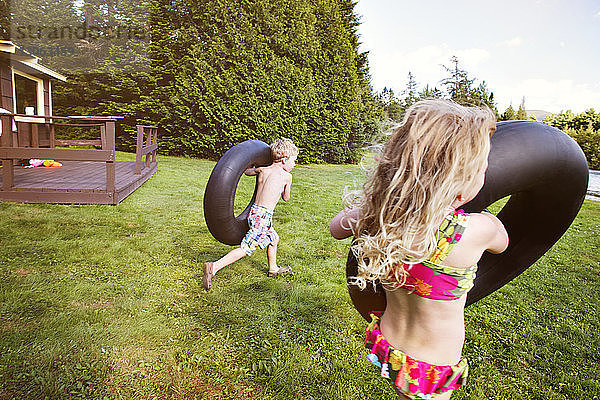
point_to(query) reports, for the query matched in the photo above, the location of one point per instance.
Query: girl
(413, 237)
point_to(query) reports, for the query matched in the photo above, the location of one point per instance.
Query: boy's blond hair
(282, 148)
(435, 155)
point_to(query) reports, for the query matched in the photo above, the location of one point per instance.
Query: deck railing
(34, 137)
(150, 149)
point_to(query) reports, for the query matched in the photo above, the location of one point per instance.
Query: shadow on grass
(272, 328)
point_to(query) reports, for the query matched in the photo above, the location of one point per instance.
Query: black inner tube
(219, 195)
(546, 175)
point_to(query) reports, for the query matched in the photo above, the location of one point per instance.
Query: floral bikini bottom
(415, 379)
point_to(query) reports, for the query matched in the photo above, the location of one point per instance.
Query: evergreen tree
(458, 84)
(430, 93)
(584, 128)
(569, 120)
(47, 29)
(366, 125)
(509, 114)
(521, 113)
(219, 72)
(410, 93)
(459, 87)
(5, 21)
(483, 96)
(233, 70)
(109, 74)
(392, 106)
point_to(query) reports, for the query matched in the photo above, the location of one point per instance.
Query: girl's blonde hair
(432, 157)
(282, 148)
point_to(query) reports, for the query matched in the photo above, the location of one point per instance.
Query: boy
(274, 181)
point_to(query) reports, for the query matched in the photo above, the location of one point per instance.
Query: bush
(584, 128)
(589, 141)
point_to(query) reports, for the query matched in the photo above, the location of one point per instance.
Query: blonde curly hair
(432, 157)
(282, 148)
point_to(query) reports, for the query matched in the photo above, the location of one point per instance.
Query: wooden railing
(35, 138)
(150, 149)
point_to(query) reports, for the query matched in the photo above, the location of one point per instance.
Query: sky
(546, 51)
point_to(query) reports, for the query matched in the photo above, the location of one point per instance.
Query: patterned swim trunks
(261, 232)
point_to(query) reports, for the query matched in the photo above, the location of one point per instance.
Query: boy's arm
(342, 225)
(251, 171)
(287, 189)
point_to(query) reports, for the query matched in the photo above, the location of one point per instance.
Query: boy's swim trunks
(261, 232)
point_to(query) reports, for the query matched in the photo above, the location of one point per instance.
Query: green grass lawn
(106, 302)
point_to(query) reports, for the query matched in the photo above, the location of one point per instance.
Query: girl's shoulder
(481, 232)
(487, 230)
(483, 220)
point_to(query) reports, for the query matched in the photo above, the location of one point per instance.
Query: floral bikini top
(431, 280)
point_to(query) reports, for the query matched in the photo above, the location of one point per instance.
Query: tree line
(462, 88)
(213, 73)
(584, 128)
(458, 86)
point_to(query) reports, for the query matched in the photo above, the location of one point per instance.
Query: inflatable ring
(546, 175)
(219, 194)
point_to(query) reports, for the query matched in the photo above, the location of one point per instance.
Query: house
(25, 84)
(30, 130)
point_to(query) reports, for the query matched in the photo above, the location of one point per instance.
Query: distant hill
(538, 114)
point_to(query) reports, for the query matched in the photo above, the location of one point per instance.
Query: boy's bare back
(273, 182)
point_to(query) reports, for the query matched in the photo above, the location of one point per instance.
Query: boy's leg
(272, 256)
(228, 258)
(274, 270)
(211, 268)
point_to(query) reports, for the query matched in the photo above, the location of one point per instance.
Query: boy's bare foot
(207, 268)
(281, 270)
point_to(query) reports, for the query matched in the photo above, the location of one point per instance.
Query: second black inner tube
(545, 173)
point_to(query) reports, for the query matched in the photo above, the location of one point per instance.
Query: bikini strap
(449, 234)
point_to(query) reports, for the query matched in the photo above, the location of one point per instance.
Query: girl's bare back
(433, 330)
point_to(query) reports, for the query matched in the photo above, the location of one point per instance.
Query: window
(26, 95)
(29, 94)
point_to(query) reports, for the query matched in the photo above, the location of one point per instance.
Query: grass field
(105, 302)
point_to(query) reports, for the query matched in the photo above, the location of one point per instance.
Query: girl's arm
(342, 225)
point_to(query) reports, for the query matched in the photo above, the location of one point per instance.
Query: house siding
(47, 97)
(6, 86)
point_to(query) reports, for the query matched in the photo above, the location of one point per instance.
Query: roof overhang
(7, 46)
(20, 57)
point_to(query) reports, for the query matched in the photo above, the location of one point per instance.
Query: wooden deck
(76, 182)
(87, 176)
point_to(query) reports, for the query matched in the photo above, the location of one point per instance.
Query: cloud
(514, 42)
(473, 57)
